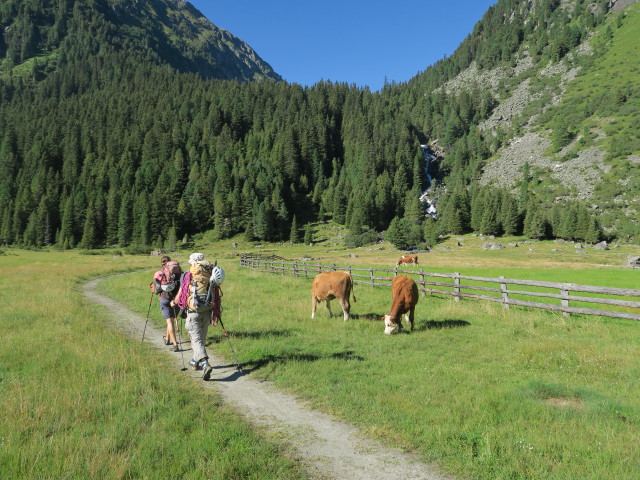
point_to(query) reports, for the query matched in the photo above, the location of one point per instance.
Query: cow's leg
(314, 303)
(411, 311)
(329, 308)
(346, 306)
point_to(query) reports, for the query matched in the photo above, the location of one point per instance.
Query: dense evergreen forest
(105, 143)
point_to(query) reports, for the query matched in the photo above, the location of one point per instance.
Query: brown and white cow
(404, 297)
(330, 285)
(407, 259)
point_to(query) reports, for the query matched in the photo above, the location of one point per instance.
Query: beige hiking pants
(197, 325)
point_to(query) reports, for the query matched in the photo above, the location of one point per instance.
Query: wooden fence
(467, 286)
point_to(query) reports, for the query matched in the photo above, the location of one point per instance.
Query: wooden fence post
(505, 294)
(295, 269)
(334, 267)
(371, 276)
(565, 302)
(422, 282)
(456, 287)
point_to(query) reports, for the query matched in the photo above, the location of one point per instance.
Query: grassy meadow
(82, 400)
(484, 392)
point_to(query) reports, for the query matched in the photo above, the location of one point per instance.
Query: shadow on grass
(433, 324)
(372, 317)
(261, 334)
(297, 357)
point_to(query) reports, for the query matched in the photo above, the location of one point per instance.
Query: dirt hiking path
(328, 448)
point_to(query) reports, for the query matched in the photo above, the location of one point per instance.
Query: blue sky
(354, 41)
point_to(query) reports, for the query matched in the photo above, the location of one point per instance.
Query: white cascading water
(430, 206)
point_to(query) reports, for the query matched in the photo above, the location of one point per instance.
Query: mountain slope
(584, 143)
(549, 85)
(104, 142)
(167, 31)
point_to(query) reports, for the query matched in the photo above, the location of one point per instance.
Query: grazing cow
(404, 297)
(407, 259)
(330, 285)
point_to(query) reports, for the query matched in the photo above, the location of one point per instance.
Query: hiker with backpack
(166, 283)
(199, 296)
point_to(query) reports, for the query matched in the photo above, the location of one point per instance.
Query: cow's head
(390, 326)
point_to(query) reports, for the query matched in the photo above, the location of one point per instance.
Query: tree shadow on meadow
(260, 334)
(214, 337)
(434, 324)
(255, 365)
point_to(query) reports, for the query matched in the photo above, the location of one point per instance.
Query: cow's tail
(353, 292)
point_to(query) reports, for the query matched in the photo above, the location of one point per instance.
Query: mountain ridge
(173, 31)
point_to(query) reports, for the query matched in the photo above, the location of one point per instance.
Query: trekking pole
(224, 330)
(180, 336)
(147, 320)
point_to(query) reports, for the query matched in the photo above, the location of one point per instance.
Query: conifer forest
(105, 142)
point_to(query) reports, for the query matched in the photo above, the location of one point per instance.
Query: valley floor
(328, 448)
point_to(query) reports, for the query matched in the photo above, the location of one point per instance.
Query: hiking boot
(175, 348)
(206, 370)
(194, 365)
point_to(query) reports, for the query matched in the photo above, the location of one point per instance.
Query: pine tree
(308, 234)
(66, 227)
(397, 233)
(534, 223)
(170, 242)
(594, 231)
(125, 221)
(490, 224)
(294, 236)
(524, 187)
(431, 231)
(509, 217)
(89, 234)
(570, 223)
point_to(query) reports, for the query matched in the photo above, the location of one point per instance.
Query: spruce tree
(294, 235)
(509, 217)
(397, 233)
(66, 227)
(170, 242)
(308, 234)
(594, 231)
(89, 239)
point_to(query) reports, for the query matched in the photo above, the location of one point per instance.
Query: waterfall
(428, 203)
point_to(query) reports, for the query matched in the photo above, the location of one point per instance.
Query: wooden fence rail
(380, 277)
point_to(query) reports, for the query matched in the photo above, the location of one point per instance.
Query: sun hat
(196, 257)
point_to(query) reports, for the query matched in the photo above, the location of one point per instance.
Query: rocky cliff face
(618, 5)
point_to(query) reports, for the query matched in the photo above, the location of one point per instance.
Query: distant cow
(330, 285)
(407, 259)
(404, 297)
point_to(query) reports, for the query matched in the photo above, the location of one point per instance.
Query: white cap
(196, 257)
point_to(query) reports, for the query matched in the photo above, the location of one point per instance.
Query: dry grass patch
(564, 402)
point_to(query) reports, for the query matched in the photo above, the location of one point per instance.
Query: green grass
(484, 392)
(81, 399)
